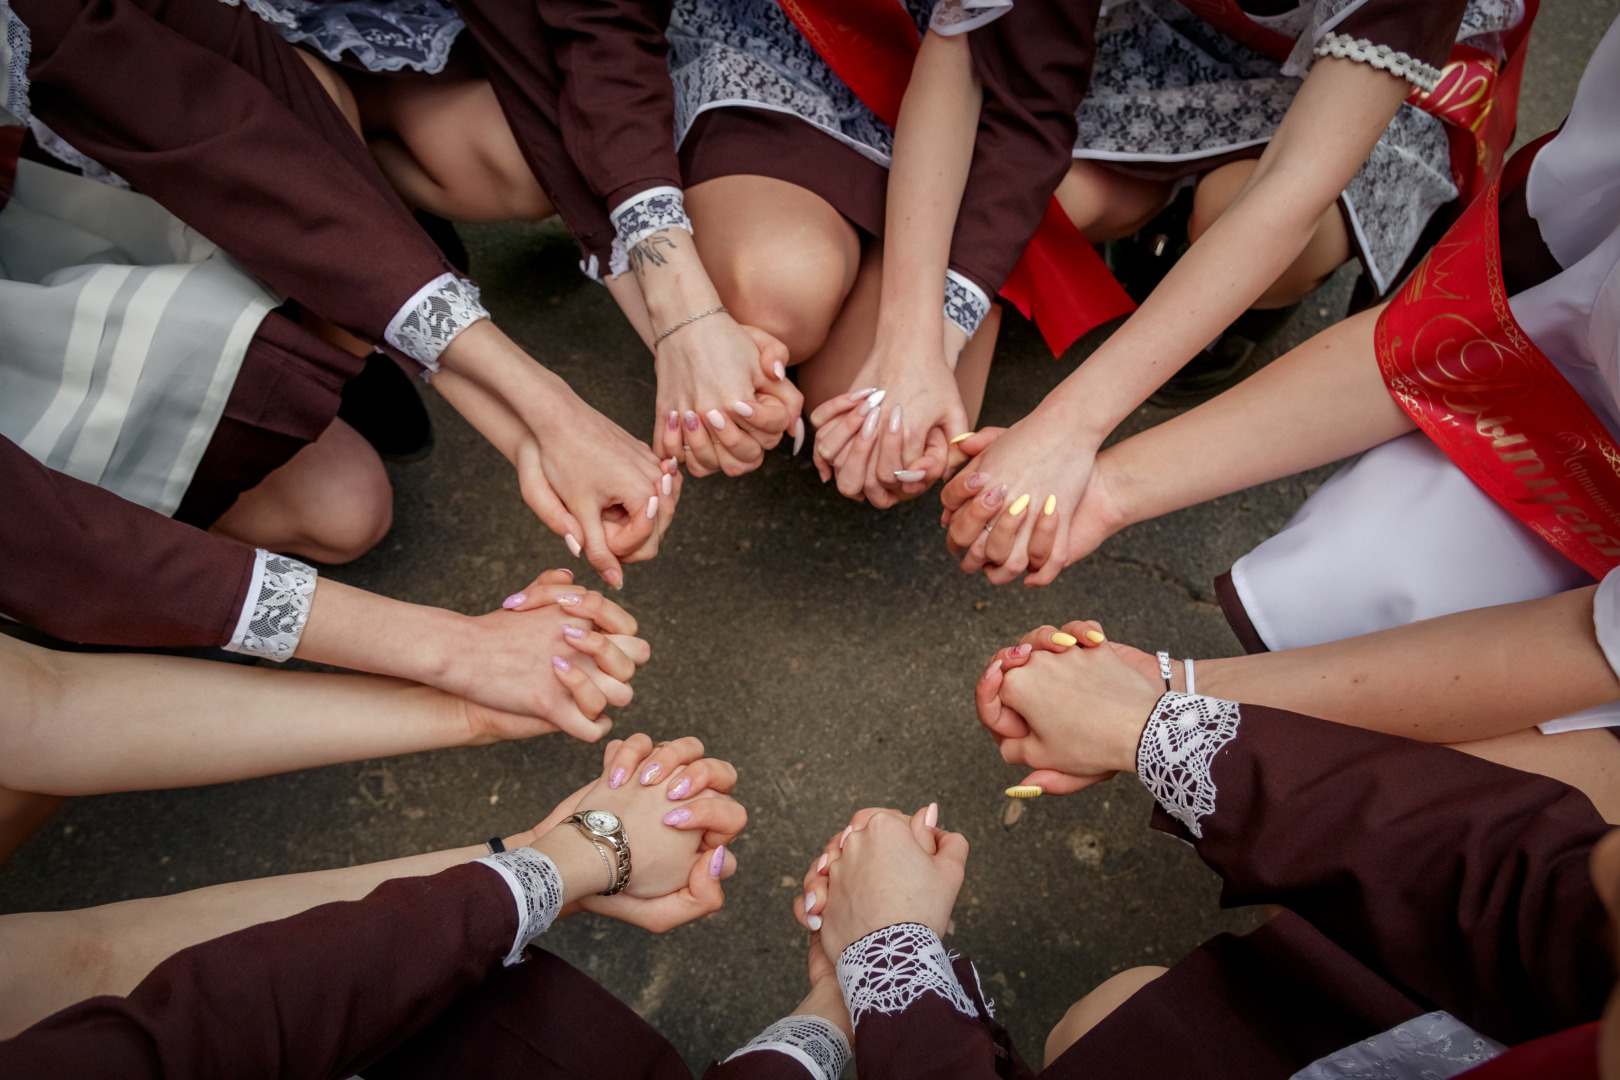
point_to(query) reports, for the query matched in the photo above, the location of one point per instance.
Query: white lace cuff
(965, 303)
(15, 46)
(1421, 75)
(431, 319)
(1180, 742)
(813, 1042)
(888, 970)
(639, 216)
(276, 609)
(536, 885)
(953, 17)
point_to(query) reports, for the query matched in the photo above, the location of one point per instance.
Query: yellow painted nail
(1095, 636)
(1025, 791)
(959, 438)
(1018, 506)
(1060, 638)
(1051, 505)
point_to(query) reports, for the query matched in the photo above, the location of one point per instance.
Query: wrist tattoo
(645, 255)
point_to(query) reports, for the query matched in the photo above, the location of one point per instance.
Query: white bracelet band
(1192, 687)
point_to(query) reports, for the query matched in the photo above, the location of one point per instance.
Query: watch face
(600, 821)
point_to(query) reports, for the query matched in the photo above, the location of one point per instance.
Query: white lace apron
(123, 333)
(383, 35)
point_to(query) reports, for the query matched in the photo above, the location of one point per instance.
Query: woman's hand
(1068, 704)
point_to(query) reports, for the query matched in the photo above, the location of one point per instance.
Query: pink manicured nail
(617, 778)
(668, 484)
(995, 666)
(869, 428)
(781, 372)
(678, 816)
(798, 436)
(691, 420)
(976, 481)
(573, 633)
(716, 420)
(931, 818)
(1018, 650)
(821, 863)
(650, 773)
(565, 570)
(652, 506)
(515, 600)
(573, 544)
(742, 409)
(674, 420)
(560, 664)
(568, 599)
(992, 499)
(718, 862)
(859, 394)
(894, 420)
(809, 902)
(680, 789)
(909, 476)
(844, 836)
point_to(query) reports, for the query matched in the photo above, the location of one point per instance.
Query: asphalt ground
(827, 649)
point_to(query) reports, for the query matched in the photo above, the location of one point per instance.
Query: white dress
(1402, 534)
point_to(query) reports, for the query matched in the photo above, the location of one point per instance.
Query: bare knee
(1107, 205)
(791, 292)
(355, 515)
(1090, 1010)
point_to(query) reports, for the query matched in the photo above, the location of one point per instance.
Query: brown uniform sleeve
(1035, 64)
(321, 994)
(930, 1038)
(1462, 882)
(1423, 29)
(87, 566)
(585, 85)
(204, 107)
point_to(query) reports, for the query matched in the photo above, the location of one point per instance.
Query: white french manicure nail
(742, 409)
(669, 484)
(909, 476)
(857, 395)
(781, 372)
(894, 420)
(869, 428)
(652, 507)
(813, 922)
(798, 436)
(573, 545)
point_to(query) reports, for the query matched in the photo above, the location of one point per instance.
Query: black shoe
(382, 405)
(1223, 362)
(1141, 261)
(444, 234)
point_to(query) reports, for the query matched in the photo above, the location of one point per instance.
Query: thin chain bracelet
(613, 873)
(721, 310)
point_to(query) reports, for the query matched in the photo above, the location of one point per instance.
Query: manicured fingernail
(672, 466)
(742, 409)
(873, 402)
(614, 577)
(680, 789)
(1019, 505)
(650, 773)
(718, 862)
(679, 816)
(909, 476)
(894, 420)
(857, 395)
(798, 436)
(652, 505)
(779, 370)
(560, 664)
(869, 428)
(995, 666)
(573, 633)
(1026, 791)
(691, 420)
(674, 420)
(515, 600)
(931, 818)
(1018, 650)
(809, 901)
(565, 570)
(959, 438)
(668, 484)
(1051, 505)
(1065, 640)
(573, 544)
(568, 599)
(976, 481)
(1095, 636)
(844, 835)
(821, 863)
(992, 499)
(617, 778)
(716, 421)
(813, 922)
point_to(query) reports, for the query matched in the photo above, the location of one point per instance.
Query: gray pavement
(828, 649)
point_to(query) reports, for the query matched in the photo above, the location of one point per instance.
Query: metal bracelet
(689, 319)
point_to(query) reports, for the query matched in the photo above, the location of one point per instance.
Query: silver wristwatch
(606, 829)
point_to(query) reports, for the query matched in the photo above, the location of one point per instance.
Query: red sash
(1455, 359)
(1061, 282)
(1477, 100)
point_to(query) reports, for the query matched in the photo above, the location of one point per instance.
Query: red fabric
(1231, 20)
(1061, 282)
(1567, 1055)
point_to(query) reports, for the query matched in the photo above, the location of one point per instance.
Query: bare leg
(1327, 250)
(1108, 205)
(1086, 1013)
(973, 368)
(21, 815)
(1588, 760)
(781, 257)
(332, 502)
(848, 342)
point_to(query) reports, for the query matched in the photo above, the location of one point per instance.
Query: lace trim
(965, 303)
(639, 216)
(889, 969)
(952, 17)
(815, 1043)
(59, 148)
(1181, 740)
(383, 35)
(15, 46)
(277, 607)
(1434, 1046)
(536, 885)
(431, 319)
(1421, 75)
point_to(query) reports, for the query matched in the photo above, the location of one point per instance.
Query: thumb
(1053, 782)
(539, 495)
(922, 828)
(975, 444)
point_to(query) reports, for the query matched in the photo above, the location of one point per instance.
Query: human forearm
(352, 628)
(485, 356)
(1456, 678)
